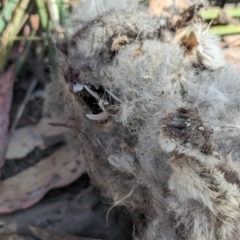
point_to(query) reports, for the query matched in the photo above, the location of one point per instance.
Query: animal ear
(62, 46)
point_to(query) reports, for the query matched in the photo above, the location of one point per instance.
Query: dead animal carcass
(154, 112)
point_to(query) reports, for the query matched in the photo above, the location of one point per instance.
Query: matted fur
(203, 199)
(169, 185)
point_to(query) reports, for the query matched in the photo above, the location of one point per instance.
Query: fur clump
(117, 82)
(208, 51)
(204, 198)
(89, 10)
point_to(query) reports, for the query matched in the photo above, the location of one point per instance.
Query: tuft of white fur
(208, 50)
(122, 162)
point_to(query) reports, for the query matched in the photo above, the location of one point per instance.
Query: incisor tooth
(77, 87)
(94, 94)
(98, 117)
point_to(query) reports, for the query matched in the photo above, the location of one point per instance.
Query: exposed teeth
(77, 87)
(98, 117)
(94, 94)
(105, 103)
(102, 103)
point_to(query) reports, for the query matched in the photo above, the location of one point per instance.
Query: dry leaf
(34, 20)
(182, 4)
(6, 86)
(82, 213)
(190, 42)
(158, 7)
(232, 40)
(232, 55)
(45, 234)
(233, 52)
(236, 43)
(28, 187)
(41, 135)
(190, 14)
(16, 237)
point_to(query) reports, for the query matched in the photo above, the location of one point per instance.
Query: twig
(68, 126)
(6, 91)
(17, 118)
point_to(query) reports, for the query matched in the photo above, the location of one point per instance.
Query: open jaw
(98, 99)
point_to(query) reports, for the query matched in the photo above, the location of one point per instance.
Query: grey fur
(128, 156)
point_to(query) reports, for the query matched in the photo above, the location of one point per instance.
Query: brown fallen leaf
(80, 211)
(190, 14)
(232, 55)
(236, 43)
(182, 4)
(232, 52)
(6, 88)
(232, 40)
(159, 7)
(190, 42)
(16, 237)
(40, 135)
(28, 187)
(45, 234)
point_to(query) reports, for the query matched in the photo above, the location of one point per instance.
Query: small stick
(17, 118)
